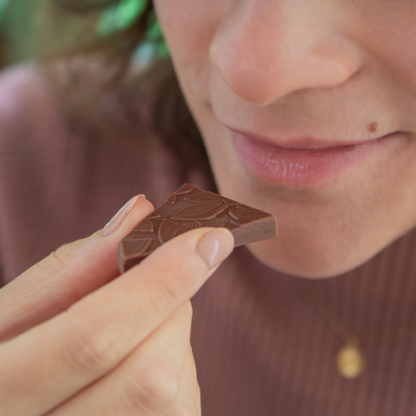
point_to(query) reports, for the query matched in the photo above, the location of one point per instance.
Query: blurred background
(15, 30)
(32, 29)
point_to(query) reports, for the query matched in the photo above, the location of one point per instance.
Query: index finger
(75, 348)
(53, 285)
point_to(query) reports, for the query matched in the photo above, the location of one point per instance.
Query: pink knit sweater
(261, 347)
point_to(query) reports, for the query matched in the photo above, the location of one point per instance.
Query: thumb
(68, 274)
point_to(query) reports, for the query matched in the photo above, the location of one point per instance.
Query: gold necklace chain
(350, 360)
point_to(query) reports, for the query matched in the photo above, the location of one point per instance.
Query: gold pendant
(350, 361)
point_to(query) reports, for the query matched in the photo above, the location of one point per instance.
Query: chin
(307, 264)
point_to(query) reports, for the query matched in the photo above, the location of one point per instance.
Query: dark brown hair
(102, 76)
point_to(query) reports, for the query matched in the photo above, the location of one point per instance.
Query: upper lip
(306, 142)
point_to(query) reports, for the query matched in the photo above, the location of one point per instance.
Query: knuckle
(61, 257)
(90, 352)
(48, 264)
(154, 390)
(68, 252)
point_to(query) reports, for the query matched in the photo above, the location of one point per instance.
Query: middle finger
(147, 381)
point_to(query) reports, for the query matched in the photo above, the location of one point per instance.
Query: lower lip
(301, 167)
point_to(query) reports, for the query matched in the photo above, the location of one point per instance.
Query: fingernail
(117, 220)
(215, 246)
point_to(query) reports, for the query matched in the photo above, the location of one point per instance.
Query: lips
(304, 143)
(302, 162)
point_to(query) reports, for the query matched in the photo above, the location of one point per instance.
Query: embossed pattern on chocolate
(189, 208)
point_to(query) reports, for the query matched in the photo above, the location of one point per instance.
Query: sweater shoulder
(20, 88)
(27, 107)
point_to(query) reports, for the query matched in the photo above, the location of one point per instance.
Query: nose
(267, 49)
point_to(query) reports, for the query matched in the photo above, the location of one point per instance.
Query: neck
(372, 299)
(377, 296)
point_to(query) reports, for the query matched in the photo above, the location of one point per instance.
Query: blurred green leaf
(3, 5)
(120, 16)
(124, 14)
(155, 36)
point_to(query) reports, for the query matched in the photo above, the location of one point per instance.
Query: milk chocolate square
(189, 208)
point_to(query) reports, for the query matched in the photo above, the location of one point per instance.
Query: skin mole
(372, 127)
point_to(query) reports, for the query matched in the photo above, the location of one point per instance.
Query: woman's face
(294, 99)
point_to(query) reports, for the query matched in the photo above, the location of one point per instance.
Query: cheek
(390, 36)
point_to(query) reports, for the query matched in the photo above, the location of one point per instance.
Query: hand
(76, 338)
